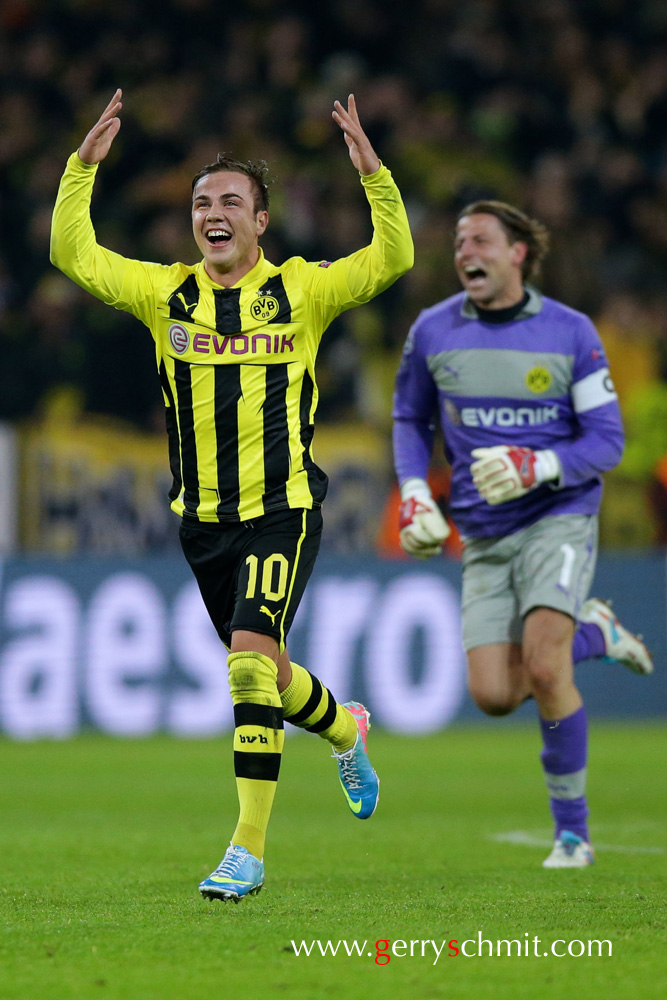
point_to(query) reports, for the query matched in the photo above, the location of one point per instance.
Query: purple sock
(588, 642)
(564, 761)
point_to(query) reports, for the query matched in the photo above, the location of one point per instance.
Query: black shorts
(252, 574)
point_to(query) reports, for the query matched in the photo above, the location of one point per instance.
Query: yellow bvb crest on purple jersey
(538, 379)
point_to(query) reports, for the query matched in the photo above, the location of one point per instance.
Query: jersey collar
(255, 275)
(532, 307)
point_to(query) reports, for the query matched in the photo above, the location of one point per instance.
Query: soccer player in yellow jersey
(235, 341)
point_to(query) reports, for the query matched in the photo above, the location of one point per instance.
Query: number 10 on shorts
(275, 570)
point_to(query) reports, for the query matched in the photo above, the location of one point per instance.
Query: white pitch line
(525, 839)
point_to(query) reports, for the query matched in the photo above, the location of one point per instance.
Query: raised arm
(362, 154)
(98, 142)
(125, 284)
(350, 281)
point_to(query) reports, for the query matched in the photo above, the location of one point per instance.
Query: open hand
(98, 142)
(362, 154)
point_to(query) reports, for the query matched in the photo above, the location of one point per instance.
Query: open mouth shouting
(474, 276)
(226, 225)
(218, 237)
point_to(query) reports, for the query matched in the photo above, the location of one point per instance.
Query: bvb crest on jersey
(264, 308)
(538, 379)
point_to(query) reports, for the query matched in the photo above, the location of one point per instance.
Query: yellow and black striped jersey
(237, 364)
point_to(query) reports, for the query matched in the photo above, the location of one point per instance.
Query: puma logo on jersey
(188, 306)
(271, 616)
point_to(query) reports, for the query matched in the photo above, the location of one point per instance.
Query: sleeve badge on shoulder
(324, 263)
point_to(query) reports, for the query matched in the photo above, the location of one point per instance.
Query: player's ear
(261, 221)
(519, 252)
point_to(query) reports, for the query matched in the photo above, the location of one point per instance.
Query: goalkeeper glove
(507, 472)
(422, 527)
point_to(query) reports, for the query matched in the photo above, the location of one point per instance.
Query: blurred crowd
(558, 106)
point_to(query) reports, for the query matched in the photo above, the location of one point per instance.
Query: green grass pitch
(103, 843)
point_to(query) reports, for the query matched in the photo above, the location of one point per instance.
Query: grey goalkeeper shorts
(549, 564)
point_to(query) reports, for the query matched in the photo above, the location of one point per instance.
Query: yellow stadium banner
(92, 484)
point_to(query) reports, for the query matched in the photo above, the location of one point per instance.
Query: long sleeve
(413, 445)
(117, 280)
(598, 447)
(358, 278)
(597, 442)
(391, 251)
(414, 411)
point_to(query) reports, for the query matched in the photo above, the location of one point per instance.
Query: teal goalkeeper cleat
(239, 874)
(360, 783)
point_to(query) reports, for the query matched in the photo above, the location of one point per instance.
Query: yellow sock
(309, 705)
(258, 744)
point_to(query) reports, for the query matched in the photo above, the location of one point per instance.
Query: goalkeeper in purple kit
(522, 390)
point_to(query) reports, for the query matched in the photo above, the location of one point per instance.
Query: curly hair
(257, 172)
(518, 227)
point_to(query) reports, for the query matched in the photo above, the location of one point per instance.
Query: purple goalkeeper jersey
(540, 380)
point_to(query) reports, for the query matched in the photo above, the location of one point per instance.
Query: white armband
(593, 391)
